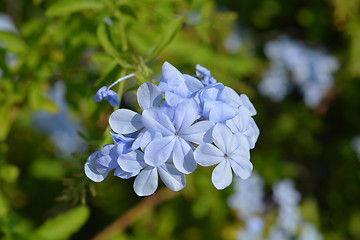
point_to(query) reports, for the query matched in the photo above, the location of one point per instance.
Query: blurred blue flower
(253, 229)
(310, 69)
(61, 129)
(287, 198)
(248, 196)
(309, 232)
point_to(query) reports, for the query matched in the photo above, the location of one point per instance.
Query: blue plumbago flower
(310, 232)
(311, 71)
(231, 151)
(104, 93)
(180, 119)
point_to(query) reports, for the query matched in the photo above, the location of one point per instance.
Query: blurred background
(298, 62)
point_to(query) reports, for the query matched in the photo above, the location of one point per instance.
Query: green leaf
(13, 43)
(4, 206)
(62, 226)
(106, 43)
(9, 173)
(166, 39)
(46, 169)
(108, 77)
(64, 7)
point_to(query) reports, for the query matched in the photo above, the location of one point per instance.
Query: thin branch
(144, 206)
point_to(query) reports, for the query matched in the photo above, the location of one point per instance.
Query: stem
(144, 206)
(121, 79)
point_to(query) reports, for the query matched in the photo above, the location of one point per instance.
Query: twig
(135, 213)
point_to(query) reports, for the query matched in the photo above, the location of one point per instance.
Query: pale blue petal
(192, 83)
(185, 114)
(196, 132)
(144, 138)
(229, 96)
(106, 159)
(148, 95)
(247, 103)
(132, 161)
(168, 110)
(173, 99)
(146, 182)
(211, 92)
(137, 141)
(241, 166)
(238, 143)
(222, 136)
(172, 178)
(183, 157)
(119, 138)
(90, 169)
(159, 151)
(222, 175)
(181, 90)
(149, 137)
(156, 120)
(217, 111)
(99, 96)
(124, 175)
(103, 164)
(207, 154)
(171, 75)
(125, 121)
(241, 121)
(113, 98)
(252, 133)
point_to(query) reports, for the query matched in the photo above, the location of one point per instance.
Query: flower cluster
(311, 71)
(248, 201)
(185, 121)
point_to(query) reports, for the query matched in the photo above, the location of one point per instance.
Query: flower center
(225, 155)
(176, 134)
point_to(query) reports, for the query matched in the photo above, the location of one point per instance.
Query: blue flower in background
(60, 127)
(310, 69)
(249, 202)
(231, 151)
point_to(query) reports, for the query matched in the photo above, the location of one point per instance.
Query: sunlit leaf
(166, 39)
(63, 225)
(12, 42)
(106, 43)
(63, 7)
